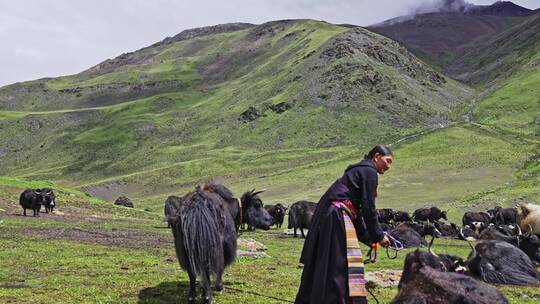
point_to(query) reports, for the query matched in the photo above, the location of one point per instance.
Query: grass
(514, 106)
(37, 267)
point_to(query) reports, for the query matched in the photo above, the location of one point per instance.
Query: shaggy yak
(204, 236)
(476, 220)
(503, 216)
(412, 234)
(500, 262)
(32, 199)
(429, 214)
(424, 281)
(300, 214)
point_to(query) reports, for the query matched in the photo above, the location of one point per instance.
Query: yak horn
(469, 238)
(519, 230)
(430, 250)
(257, 192)
(530, 229)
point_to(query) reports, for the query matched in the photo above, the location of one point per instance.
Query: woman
(333, 267)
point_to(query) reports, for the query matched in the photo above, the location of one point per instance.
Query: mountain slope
(296, 84)
(462, 42)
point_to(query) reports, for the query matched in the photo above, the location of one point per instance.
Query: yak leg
(302, 230)
(219, 280)
(205, 282)
(24, 212)
(192, 286)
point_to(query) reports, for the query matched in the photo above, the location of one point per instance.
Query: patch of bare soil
(115, 237)
(384, 278)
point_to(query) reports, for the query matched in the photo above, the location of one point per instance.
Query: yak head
(255, 216)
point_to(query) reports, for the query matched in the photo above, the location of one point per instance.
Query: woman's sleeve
(367, 189)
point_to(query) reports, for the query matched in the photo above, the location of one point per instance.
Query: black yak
(401, 216)
(253, 212)
(277, 212)
(172, 203)
(32, 199)
(476, 220)
(204, 237)
(300, 214)
(503, 216)
(385, 215)
(429, 214)
(424, 281)
(412, 234)
(447, 229)
(49, 199)
(499, 262)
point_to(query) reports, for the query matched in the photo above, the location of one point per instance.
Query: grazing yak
(204, 237)
(412, 234)
(499, 262)
(300, 214)
(401, 216)
(172, 203)
(424, 281)
(277, 212)
(429, 214)
(253, 212)
(49, 199)
(32, 199)
(530, 218)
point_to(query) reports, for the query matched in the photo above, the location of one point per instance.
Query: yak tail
(292, 219)
(201, 237)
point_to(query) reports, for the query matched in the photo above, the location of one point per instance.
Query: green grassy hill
(233, 103)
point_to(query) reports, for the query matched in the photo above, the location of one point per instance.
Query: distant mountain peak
(498, 8)
(501, 8)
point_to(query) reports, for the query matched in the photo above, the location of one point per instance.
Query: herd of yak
(205, 224)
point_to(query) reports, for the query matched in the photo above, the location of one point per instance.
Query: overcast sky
(60, 37)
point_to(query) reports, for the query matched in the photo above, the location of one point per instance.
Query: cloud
(59, 37)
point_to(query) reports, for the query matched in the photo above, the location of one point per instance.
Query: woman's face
(382, 163)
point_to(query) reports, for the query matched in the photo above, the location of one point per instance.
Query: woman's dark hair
(382, 150)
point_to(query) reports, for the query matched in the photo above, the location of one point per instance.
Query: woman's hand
(385, 242)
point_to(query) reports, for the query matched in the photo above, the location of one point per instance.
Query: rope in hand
(395, 245)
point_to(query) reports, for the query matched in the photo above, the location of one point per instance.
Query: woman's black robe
(325, 275)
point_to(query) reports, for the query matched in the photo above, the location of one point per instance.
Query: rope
(374, 297)
(259, 294)
(395, 245)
